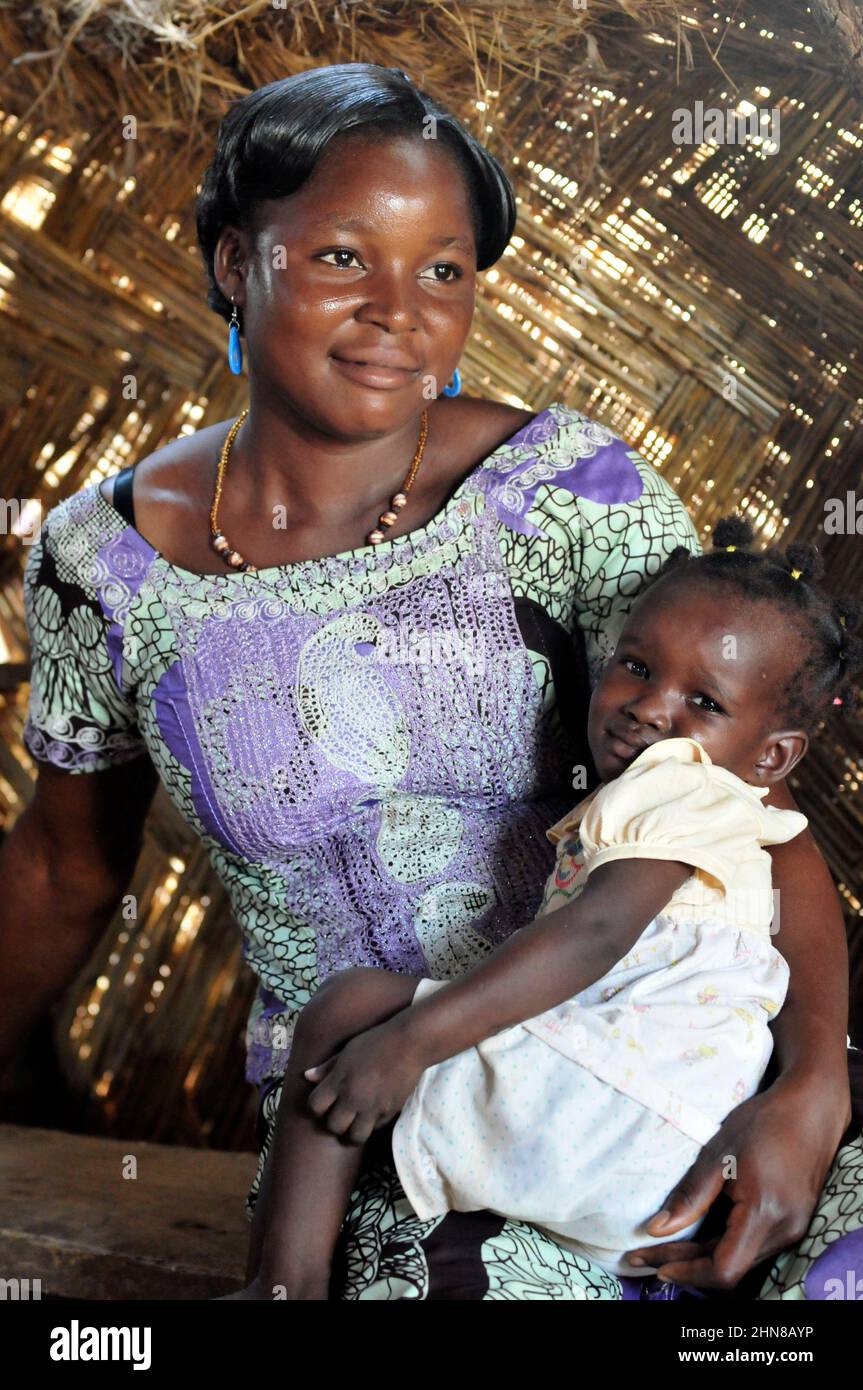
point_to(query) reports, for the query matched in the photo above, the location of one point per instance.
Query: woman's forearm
(810, 1032)
(48, 929)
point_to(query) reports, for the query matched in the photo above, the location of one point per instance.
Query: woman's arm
(810, 1033)
(785, 1138)
(63, 869)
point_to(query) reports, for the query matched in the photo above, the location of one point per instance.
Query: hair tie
(836, 700)
(841, 619)
(729, 547)
(795, 574)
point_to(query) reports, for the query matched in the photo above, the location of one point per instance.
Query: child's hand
(367, 1083)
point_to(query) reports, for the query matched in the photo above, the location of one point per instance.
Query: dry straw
(703, 302)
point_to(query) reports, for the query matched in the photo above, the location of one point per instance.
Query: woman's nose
(390, 301)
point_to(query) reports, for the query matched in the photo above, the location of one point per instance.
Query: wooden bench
(69, 1217)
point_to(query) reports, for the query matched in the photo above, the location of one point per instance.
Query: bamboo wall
(701, 301)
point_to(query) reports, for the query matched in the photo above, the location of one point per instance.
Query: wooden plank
(176, 1231)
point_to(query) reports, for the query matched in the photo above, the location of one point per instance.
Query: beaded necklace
(232, 556)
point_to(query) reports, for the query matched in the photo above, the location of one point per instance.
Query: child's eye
(711, 705)
(630, 661)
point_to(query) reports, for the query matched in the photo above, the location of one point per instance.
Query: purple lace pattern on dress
(595, 464)
(177, 727)
(365, 740)
(388, 761)
(119, 570)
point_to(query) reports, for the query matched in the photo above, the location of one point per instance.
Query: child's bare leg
(310, 1173)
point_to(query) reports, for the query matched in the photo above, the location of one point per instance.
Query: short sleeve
(620, 546)
(78, 717)
(611, 514)
(673, 807)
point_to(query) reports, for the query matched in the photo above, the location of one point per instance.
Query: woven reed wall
(701, 301)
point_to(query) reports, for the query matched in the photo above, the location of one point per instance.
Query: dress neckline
(385, 547)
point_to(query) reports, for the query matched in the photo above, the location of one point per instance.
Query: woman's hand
(367, 1083)
(783, 1140)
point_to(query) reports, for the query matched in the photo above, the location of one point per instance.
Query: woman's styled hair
(270, 141)
(828, 653)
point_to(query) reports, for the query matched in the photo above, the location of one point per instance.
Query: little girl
(571, 1078)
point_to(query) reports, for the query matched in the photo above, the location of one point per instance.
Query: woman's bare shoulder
(173, 492)
(474, 428)
(500, 411)
(495, 420)
(174, 471)
(181, 468)
(174, 484)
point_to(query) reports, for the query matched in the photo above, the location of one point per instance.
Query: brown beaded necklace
(232, 557)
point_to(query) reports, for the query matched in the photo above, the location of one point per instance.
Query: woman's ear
(782, 751)
(229, 259)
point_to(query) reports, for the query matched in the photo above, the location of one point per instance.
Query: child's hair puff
(830, 653)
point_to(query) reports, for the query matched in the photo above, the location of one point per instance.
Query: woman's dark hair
(270, 141)
(829, 654)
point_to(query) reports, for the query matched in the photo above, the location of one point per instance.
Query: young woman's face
(397, 287)
(692, 665)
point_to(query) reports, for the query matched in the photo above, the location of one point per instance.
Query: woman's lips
(368, 375)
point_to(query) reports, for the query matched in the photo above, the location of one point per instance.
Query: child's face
(690, 664)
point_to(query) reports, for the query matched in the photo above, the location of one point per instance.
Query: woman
(356, 630)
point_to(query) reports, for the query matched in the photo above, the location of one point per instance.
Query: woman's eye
(352, 255)
(630, 661)
(448, 265)
(340, 251)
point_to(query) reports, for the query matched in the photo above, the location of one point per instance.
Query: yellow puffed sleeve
(673, 802)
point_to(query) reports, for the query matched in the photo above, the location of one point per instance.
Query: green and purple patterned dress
(371, 747)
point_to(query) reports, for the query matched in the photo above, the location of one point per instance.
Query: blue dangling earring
(454, 386)
(235, 351)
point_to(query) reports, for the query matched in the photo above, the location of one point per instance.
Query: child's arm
(550, 960)
(541, 965)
